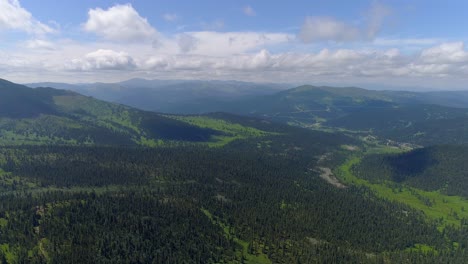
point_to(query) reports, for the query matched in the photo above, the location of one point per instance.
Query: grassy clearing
(3, 222)
(10, 256)
(37, 131)
(8, 138)
(108, 115)
(423, 248)
(447, 210)
(258, 258)
(379, 149)
(220, 125)
(230, 131)
(148, 142)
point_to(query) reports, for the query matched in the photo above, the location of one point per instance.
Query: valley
(233, 188)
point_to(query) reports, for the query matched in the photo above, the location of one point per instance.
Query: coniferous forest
(187, 204)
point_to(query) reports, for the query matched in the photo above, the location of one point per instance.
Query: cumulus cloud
(14, 17)
(170, 17)
(249, 11)
(326, 63)
(323, 61)
(119, 23)
(453, 52)
(248, 56)
(103, 59)
(315, 29)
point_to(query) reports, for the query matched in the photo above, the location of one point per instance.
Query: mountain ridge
(48, 115)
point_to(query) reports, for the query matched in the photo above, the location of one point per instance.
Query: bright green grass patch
(448, 210)
(149, 142)
(42, 245)
(283, 205)
(7, 252)
(7, 180)
(380, 149)
(219, 141)
(220, 125)
(231, 131)
(258, 258)
(8, 137)
(423, 248)
(375, 146)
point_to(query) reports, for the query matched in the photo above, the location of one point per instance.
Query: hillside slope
(46, 115)
(437, 168)
(400, 116)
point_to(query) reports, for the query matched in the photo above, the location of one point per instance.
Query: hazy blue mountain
(170, 96)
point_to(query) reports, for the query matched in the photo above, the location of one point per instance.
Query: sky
(399, 43)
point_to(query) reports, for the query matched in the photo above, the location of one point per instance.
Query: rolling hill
(436, 168)
(399, 116)
(419, 124)
(46, 115)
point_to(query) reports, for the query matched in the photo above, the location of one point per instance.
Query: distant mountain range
(418, 117)
(194, 96)
(169, 96)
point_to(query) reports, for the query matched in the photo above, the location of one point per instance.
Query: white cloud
(14, 17)
(249, 11)
(103, 59)
(331, 65)
(247, 56)
(119, 23)
(323, 61)
(170, 17)
(40, 44)
(406, 41)
(187, 43)
(453, 52)
(327, 28)
(224, 43)
(316, 29)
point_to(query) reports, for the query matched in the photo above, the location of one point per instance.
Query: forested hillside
(50, 116)
(244, 202)
(416, 118)
(438, 168)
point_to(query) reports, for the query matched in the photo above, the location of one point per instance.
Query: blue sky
(369, 43)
